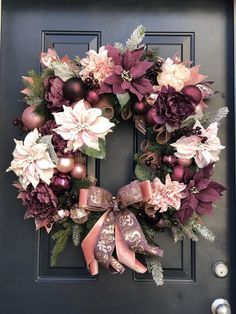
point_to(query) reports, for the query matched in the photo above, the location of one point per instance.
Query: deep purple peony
(200, 193)
(129, 73)
(58, 142)
(172, 107)
(54, 94)
(41, 202)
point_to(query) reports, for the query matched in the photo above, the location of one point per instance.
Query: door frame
(232, 151)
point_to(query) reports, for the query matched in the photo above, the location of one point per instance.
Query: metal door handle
(220, 306)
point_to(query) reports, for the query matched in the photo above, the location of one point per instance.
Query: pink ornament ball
(139, 107)
(65, 164)
(152, 117)
(31, 119)
(178, 173)
(78, 171)
(170, 160)
(60, 183)
(193, 92)
(92, 97)
(184, 162)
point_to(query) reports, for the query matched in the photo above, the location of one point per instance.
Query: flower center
(126, 76)
(82, 126)
(194, 190)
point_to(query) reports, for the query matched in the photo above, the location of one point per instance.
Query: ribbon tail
(89, 243)
(127, 256)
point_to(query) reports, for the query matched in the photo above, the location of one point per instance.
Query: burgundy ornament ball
(178, 173)
(193, 92)
(92, 97)
(139, 107)
(31, 119)
(65, 164)
(184, 162)
(60, 183)
(78, 171)
(73, 89)
(170, 160)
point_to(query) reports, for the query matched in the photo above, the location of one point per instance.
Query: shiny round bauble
(169, 160)
(178, 173)
(152, 116)
(151, 99)
(60, 183)
(92, 97)
(192, 92)
(73, 89)
(184, 162)
(65, 164)
(139, 107)
(31, 119)
(78, 171)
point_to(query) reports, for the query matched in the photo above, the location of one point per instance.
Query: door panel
(198, 30)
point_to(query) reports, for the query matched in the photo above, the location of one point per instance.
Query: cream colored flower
(81, 126)
(32, 161)
(97, 63)
(173, 74)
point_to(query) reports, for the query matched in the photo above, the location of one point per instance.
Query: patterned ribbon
(117, 228)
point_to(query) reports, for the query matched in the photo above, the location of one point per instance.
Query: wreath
(71, 107)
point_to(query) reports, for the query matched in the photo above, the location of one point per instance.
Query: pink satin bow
(117, 228)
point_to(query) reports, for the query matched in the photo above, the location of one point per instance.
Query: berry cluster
(18, 122)
(187, 131)
(152, 73)
(91, 83)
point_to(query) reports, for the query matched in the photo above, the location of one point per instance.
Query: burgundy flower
(41, 202)
(129, 73)
(58, 142)
(172, 107)
(54, 93)
(200, 193)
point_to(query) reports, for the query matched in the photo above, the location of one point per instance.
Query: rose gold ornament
(78, 215)
(184, 162)
(65, 164)
(31, 119)
(78, 171)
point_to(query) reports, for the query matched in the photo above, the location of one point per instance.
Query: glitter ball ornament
(65, 165)
(60, 182)
(193, 92)
(78, 171)
(31, 119)
(73, 89)
(92, 97)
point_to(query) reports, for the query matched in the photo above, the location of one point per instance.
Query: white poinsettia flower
(32, 161)
(82, 125)
(97, 63)
(204, 148)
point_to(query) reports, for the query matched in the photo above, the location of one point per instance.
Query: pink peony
(97, 63)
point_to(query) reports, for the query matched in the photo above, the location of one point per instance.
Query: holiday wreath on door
(72, 106)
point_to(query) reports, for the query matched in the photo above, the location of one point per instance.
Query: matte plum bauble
(184, 162)
(65, 165)
(193, 92)
(92, 97)
(60, 183)
(178, 173)
(78, 171)
(31, 119)
(139, 107)
(73, 89)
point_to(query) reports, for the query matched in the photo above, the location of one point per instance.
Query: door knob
(220, 306)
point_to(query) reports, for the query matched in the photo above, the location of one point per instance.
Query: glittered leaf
(47, 139)
(100, 154)
(123, 99)
(143, 173)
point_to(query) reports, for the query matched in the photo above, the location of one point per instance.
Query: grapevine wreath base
(71, 107)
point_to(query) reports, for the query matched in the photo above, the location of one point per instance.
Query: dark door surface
(200, 31)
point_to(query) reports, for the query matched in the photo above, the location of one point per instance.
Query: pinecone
(152, 73)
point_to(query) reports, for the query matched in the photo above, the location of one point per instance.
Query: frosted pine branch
(216, 116)
(204, 232)
(155, 269)
(76, 235)
(136, 38)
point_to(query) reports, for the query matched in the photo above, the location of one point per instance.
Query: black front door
(200, 31)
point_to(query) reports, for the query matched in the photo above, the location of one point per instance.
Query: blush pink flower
(82, 125)
(204, 148)
(97, 63)
(46, 58)
(32, 161)
(166, 195)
